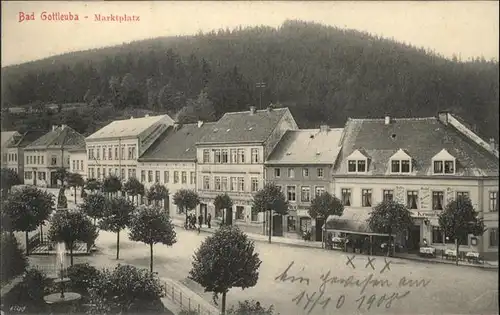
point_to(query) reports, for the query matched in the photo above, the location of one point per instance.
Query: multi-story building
(78, 161)
(7, 137)
(115, 148)
(420, 162)
(301, 165)
(171, 160)
(230, 158)
(48, 153)
(15, 150)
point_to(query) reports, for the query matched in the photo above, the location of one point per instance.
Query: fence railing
(179, 296)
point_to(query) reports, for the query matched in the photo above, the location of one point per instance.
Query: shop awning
(352, 221)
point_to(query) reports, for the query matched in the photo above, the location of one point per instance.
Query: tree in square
(111, 185)
(458, 220)
(117, 216)
(133, 187)
(224, 202)
(186, 200)
(225, 260)
(94, 205)
(157, 193)
(151, 226)
(75, 180)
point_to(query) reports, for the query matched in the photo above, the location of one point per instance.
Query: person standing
(209, 220)
(200, 220)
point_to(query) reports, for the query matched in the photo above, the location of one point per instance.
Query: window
(412, 199)
(143, 176)
(122, 154)
(241, 155)
(116, 171)
(104, 155)
(98, 151)
(462, 194)
(255, 184)
(255, 155)
(38, 160)
(437, 200)
(217, 183)
(291, 224)
(233, 155)
(184, 177)
(41, 175)
(98, 173)
(254, 216)
(133, 173)
(305, 194)
(493, 232)
(92, 175)
(277, 172)
(104, 172)
(129, 173)
(224, 183)
(387, 194)
(320, 172)
(27, 160)
(438, 167)
(176, 177)
(290, 192)
(356, 166)
(449, 167)
(437, 235)
(53, 160)
(493, 201)
(395, 166)
(217, 156)
(319, 190)
(150, 176)
(42, 159)
(241, 184)
(157, 176)
(28, 175)
(305, 172)
(74, 165)
(166, 177)
(346, 197)
(122, 174)
(116, 153)
(110, 153)
(405, 166)
(133, 152)
(291, 173)
(233, 183)
(366, 197)
(206, 182)
(192, 178)
(224, 156)
(240, 213)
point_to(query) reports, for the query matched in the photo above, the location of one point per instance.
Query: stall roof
(352, 221)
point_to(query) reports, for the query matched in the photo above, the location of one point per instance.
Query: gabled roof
(401, 154)
(60, 137)
(307, 146)
(7, 136)
(177, 144)
(421, 138)
(126, 128)
(240, 127)
(27, 138)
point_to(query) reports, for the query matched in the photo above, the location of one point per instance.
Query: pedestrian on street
(209, 221)
(200, 220)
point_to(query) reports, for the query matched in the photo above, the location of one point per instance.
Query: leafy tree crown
(117, 214)
(69, 226)
(270, 197)
(134, 187)
(111, 184)
(223, 201)
(157, 192)
(390, 217)
(151, 225)
(94, 205)
(325, 205)
(186, 199)
(459, 219)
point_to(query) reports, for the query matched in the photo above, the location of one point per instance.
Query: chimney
(54, 127)
(252, 110)
(443, 117)
(324, 128)
(200, 123)
(493, 145)
(387, 120)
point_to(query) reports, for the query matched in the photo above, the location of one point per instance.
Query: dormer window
(357, 162)
(443, 163)
(401, 162)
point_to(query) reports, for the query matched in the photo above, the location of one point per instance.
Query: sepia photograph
(249, 157)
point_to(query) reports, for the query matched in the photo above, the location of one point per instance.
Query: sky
(466, 29)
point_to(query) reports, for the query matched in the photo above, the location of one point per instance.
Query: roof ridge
(257, 111)
(392, 118)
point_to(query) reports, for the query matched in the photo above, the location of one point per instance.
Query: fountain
(61, 299)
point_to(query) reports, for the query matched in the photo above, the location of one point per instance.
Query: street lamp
(260, 86)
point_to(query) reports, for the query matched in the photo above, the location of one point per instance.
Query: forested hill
(324, 74)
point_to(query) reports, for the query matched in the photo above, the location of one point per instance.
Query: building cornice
(335, 176)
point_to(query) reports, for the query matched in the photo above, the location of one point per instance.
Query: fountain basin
(55, 298)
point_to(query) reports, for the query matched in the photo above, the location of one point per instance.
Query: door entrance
(414, 238)
(277, 225)
(319, 229)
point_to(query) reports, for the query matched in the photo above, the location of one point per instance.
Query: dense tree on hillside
(324, 74)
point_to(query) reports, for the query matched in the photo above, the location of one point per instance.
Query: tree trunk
(223, 311)
(151, 256)
(75, 195)
(118, 245)
(270, 224)
(71, 253)
(27, 243)
(389, 245)
(457, 244)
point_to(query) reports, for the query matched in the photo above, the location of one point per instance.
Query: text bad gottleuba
(70, 16)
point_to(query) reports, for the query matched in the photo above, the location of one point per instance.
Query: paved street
(450, 289)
